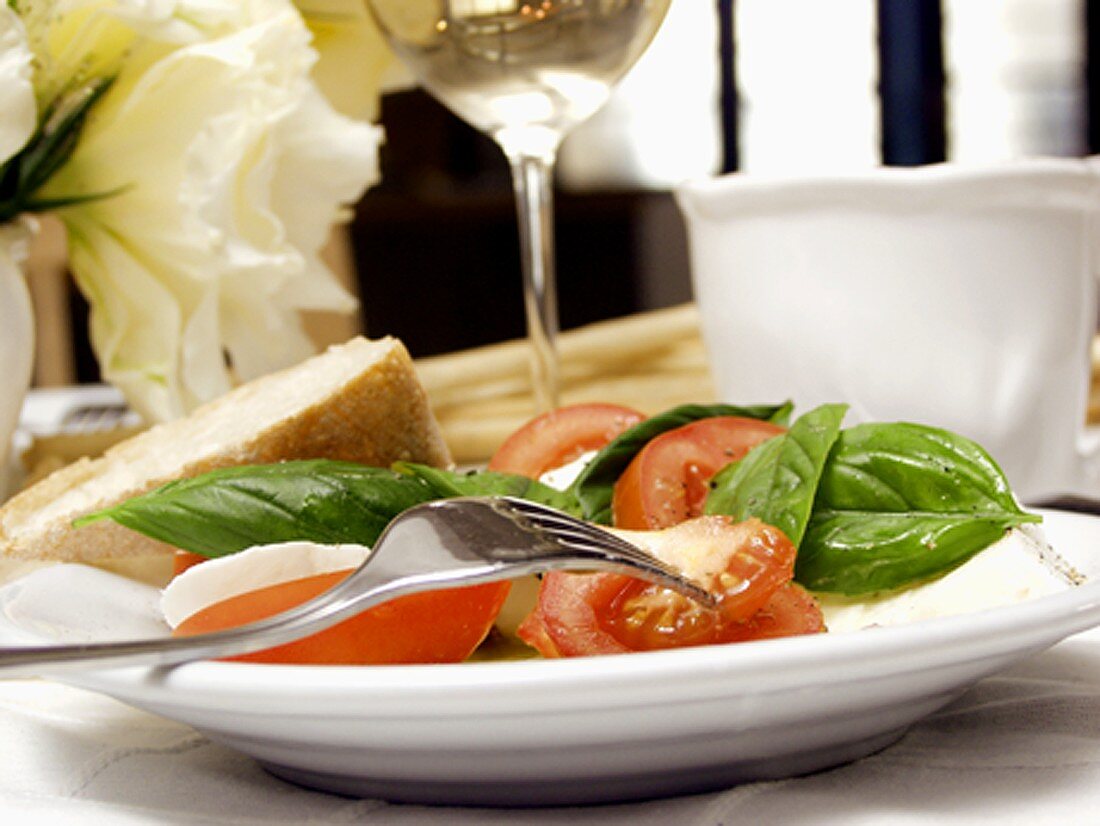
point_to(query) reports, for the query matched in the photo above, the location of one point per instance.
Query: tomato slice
(430, 627)
(184, 560)
(666, 482)
(749, 564)
(558, 437)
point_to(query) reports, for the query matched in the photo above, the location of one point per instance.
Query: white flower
(356, 63)
(18, 110)
(232, 168)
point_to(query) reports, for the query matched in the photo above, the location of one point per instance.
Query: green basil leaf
(899, 503)
(447, 483)
(594, 487)
(231, 509)
(777, 480)
(882, 552)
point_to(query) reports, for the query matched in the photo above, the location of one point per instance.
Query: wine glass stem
(532, 177)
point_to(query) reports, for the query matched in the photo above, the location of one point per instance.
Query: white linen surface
(1022, 747)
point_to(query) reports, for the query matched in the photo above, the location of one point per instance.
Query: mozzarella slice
(228, 576)
(1019, 567)
(562, 477)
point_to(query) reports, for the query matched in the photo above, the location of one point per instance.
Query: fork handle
(42, 660)
(315, 615)
(321, 612)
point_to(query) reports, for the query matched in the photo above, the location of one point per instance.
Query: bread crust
(373, 410)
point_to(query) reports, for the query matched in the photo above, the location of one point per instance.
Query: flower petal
(18, 110)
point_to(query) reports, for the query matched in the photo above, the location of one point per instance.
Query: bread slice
(360, 401)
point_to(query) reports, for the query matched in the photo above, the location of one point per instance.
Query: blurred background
(769, 86)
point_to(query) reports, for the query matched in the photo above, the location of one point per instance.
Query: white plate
(570, 731)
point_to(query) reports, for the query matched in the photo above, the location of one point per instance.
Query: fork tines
(564, 526)
(584, 537)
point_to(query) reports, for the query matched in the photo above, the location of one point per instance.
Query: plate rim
(701, 673)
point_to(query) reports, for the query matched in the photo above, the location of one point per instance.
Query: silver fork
(441, 544)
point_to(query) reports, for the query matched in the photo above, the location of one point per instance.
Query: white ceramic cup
(959, 297)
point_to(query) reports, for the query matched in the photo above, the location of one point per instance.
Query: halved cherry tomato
(583, 614)
(666, 482)
(560, 436)
(431, 627)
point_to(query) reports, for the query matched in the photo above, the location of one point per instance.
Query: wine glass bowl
(548, 65)
(524, 72)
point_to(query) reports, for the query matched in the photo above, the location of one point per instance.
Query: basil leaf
(856, 556)
(777, 480)
(447, 483)
(231, 509)
(594, 487)
(900, 503)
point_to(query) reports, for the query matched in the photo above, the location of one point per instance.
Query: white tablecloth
(1022, 747)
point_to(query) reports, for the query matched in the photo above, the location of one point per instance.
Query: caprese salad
(796, 526)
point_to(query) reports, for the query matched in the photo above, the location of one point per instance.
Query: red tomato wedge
(749, 564)
(560, 436)
(666, 482)
(432, 627)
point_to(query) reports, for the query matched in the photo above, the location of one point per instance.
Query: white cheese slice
(562, 477)
(219, 579)
(1019, 567)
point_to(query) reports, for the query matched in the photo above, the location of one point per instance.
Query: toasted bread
(360, 401)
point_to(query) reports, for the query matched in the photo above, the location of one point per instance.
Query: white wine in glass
(524, 72)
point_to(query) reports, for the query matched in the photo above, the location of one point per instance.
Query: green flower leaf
(58, 132)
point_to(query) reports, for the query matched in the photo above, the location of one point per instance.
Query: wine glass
(524, 72)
